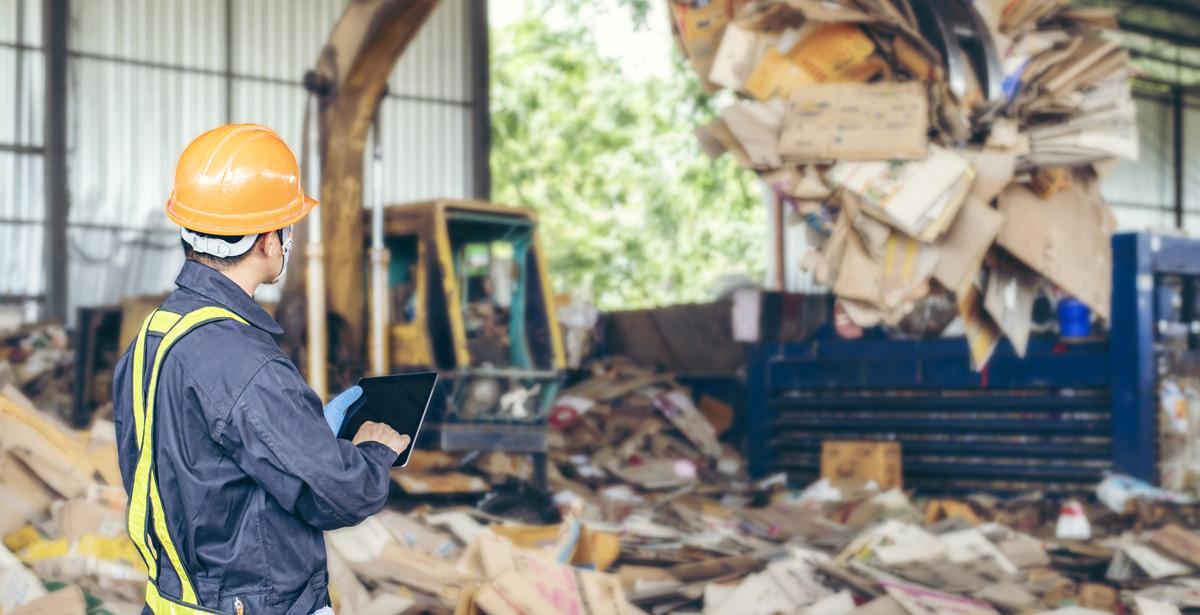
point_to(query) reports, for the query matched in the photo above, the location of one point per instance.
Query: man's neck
(244, 279)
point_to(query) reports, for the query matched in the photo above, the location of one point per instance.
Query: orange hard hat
(238, 179)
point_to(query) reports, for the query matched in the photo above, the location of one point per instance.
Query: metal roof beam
(1177, 38)
(1178, 7)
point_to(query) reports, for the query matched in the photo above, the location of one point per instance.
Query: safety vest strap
(161, 605)
(144, 499)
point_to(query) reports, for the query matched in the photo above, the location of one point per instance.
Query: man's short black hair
(216, 262)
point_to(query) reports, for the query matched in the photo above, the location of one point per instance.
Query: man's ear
(266, 246)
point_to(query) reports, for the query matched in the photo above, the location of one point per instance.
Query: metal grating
(1043, 422)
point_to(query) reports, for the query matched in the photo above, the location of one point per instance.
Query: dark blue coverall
(248, 470)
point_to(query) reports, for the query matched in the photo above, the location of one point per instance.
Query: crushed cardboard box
(940, 164)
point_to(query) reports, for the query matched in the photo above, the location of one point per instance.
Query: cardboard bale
(66, 601)
(962, 249)
(26, 497)
(1009, 301)
(677, 406)
(1178, 542)
(756, 126)
(738, 54)
(442, 482)
(867, 91)
(18, 585)
(917, 599)
(46, 449)
(856, 462)
(919, 198)
(1098, 596)
(75, 519)
(982, 333)
(823, 53)
(852, 121)
(700, 26)
(1064, 238)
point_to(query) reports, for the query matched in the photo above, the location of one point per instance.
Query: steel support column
(1131, 344)
(55, 19)
(228, 71)
(1177, 132)
(480, 88)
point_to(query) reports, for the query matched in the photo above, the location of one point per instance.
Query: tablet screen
(398, 401)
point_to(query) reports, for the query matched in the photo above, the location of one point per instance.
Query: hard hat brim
(246, 224)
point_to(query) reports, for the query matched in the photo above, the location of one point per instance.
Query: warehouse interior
(819, 307)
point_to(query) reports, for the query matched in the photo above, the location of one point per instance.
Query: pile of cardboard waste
(654, 514)
(62, 516)
(37, 360)
(943, 151)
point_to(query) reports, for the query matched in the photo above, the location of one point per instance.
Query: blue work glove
(335, 410)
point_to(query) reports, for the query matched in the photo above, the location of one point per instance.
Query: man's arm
(276, 432)
(123, 421)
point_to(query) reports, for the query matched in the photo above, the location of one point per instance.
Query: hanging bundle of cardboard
(931, 147)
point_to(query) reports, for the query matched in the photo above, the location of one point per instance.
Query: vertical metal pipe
(55, 17)
(780, 248)
(1177, 141)
(380, 318)
(228, 75)
(479, 89)
(318, 340)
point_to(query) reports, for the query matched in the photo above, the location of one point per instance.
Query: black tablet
(398, 401)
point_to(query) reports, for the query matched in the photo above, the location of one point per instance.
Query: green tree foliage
(630, 207)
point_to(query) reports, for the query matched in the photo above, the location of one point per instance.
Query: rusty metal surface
(351, 74)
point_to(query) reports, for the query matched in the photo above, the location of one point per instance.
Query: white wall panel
(21, 207)
(136, 262)
(1191, 162)
(177, 32)
(147, 76)
(437, 63)
(281, 39)
(8, 21)
(278, 105)
(21, 110)
(21, 187)
(21, 264)
(21, 181)
(31, 13)
(10, 99)
(1148, 180)
(124, 147)
(426, 151)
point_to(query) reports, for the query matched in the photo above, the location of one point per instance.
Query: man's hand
(378, 432)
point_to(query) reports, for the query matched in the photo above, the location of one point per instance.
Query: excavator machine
(456, 286)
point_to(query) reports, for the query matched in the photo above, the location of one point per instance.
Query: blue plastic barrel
(1074, 319)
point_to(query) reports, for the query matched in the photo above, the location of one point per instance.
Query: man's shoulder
(221, 351)
(230, 341)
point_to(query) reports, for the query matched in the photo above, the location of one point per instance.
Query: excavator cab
(469, 297)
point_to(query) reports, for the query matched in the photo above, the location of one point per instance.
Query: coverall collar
(204, 280)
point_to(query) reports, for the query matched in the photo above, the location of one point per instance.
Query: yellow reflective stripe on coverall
(145, 483)
(137, 506)
(159, 321)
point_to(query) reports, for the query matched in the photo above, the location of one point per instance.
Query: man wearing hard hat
(231, 467)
